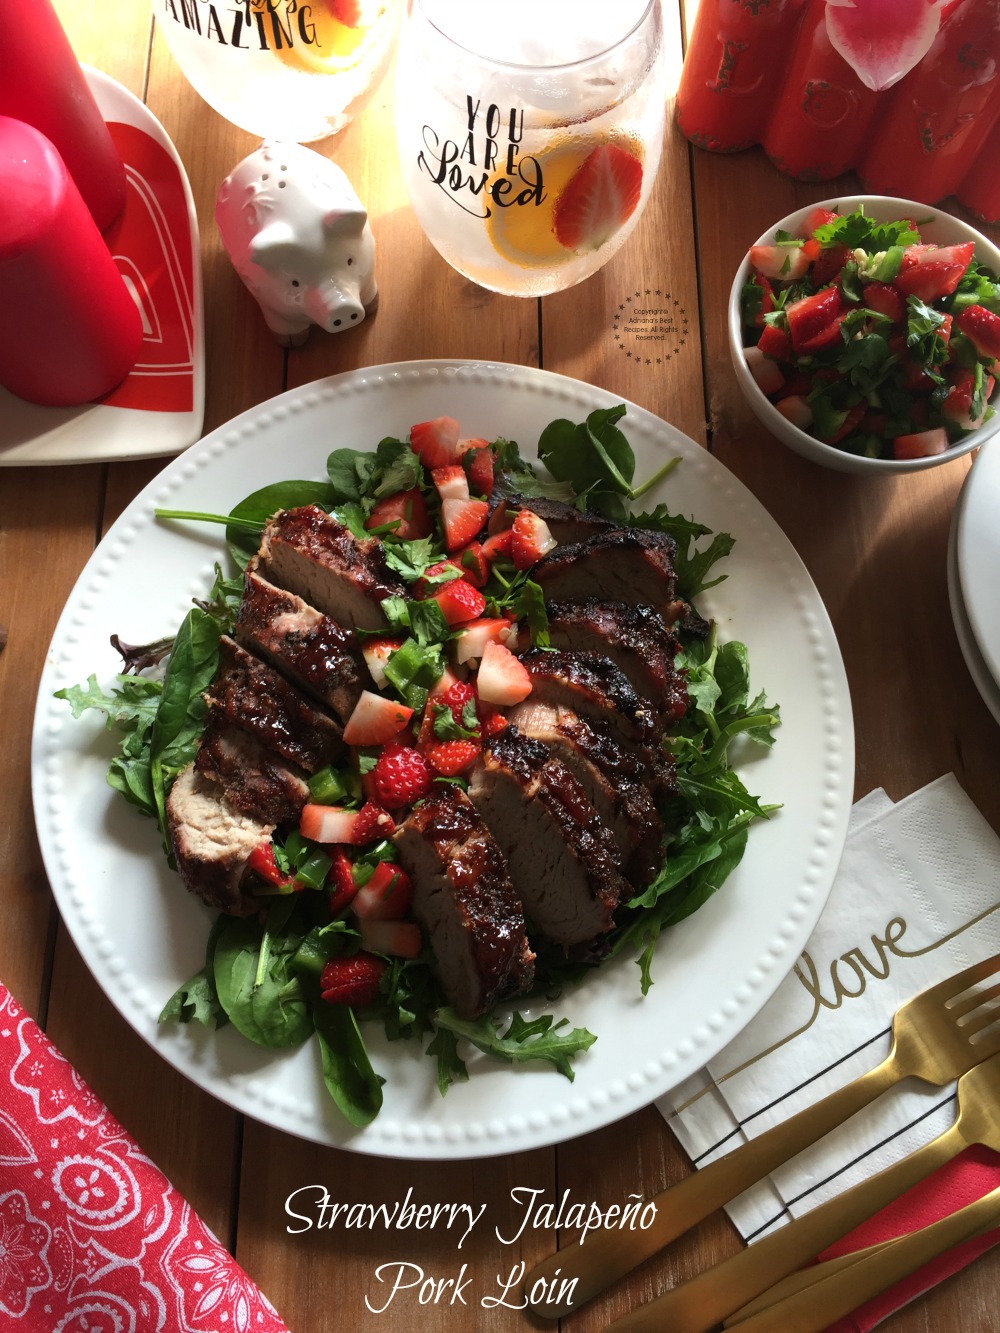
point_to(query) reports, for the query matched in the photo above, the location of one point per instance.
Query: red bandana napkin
(92, 1235)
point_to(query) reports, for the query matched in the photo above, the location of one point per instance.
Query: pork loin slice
(308, 552)
(562, 859)
(610, 777)
(594, 688)
(212, 840)
(618, 565)
(465, 900)
(635, 638)
(258, 699)
(303, 643)
(566, 523)
(256, 781)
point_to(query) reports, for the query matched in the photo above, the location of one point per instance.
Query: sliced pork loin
(591, 686)
(212, 841)
(563, 860)
(611, 779)
(310, 553)
(635, 638)
(303, 643)
(255, 697)
(566, 523)
(617, 565)
(256, 781)
(464, 898)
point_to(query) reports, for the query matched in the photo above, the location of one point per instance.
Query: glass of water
(282, 69)
(530, 132)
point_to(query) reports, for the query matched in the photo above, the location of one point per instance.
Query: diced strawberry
(530, 539)
(444, 682)
(827, 266)
(376, 653)
(398, 939)
(436, 441)
(493, 720)
(473, 563)
(450, 482)
(479, 464)
(449, 758)
(327, 823)
(819, 217)
(812, 321)
(459, 601)
(982, 328)
(957, 406)
(386, 896)
(922, 444)
(775, 343)
(933, 271)
(498, 544)
(372, 822)
(400, 776)
(502, 679)
(786, 262)
(474, 637)
(341, 881)
(457, 698)
(795, 408)
(462, 520)
(850, 423)
(261, 861)
(886, 300)
(407, 511)
(375, 719)
(354, 980)
(767, 376)
(598, 199)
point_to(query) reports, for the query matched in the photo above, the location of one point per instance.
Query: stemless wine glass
(282, 69)
(530, 132)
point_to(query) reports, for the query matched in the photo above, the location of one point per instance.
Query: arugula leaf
(691, 564)
(538, 1039)
(451, 1068)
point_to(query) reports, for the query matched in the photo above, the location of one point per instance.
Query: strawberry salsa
(334, 938)
(870, 339)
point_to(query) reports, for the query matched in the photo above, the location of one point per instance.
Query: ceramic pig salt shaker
(299, 238)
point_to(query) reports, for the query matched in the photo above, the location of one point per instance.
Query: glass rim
(528, 68)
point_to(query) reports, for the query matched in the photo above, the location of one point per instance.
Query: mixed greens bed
(262, 972)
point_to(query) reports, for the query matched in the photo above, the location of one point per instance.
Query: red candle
(41, 82)
(69, 330)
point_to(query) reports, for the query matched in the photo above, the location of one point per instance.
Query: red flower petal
(882, 39)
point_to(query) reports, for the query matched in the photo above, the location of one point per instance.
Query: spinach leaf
(347, 1071)
(249, 518)
(256, 984)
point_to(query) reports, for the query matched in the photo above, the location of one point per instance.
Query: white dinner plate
(142, 934)
(968, 641)
(159, 406)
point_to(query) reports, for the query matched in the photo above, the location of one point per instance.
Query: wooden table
(875, 548)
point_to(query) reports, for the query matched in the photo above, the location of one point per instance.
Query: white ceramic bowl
(934, 225)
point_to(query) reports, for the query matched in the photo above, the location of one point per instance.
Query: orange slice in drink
(340, 30)
(588, 191)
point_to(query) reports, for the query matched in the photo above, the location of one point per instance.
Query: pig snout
(333, 308)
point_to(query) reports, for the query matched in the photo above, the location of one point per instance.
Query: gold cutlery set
(950, 1031)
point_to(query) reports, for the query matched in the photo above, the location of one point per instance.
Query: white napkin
(916, 898)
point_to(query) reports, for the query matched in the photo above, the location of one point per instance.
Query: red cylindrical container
(823, 112)
(69, 330)
(732, 66)
(936, 120)
(980, 191)
(41, 82)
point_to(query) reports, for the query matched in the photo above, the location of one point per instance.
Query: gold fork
(699, 1305)
(837, 1292)
(932, 1039)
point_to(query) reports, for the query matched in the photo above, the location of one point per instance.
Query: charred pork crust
(594, 688)
(611, 779)
(634, 637)
(617, 565)
(212, 841)
(255, 780)
(562, 860)
(464, 898)
(303, 643)
(310, 553)
(565, 522)
(258, 699)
